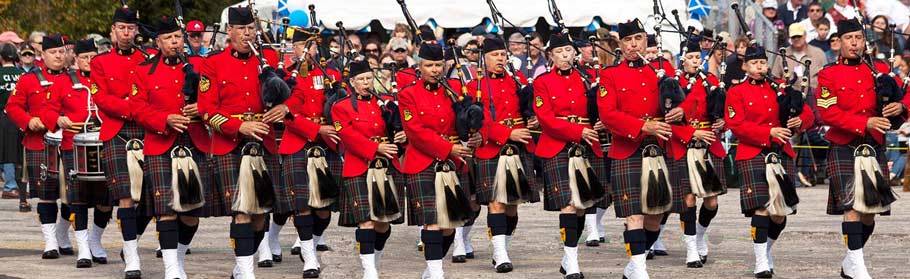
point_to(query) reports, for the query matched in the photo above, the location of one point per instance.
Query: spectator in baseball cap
(195, 30)
(27, 56)
(10, 37)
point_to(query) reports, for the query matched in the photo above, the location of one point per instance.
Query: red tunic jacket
(160, 94)
(229, 87)
(361, 132)
(26, 101)
(752, 111)
(113, 74)
(558, 96)
(405, 77)
(66, 101)
(426, 112)
(495, 132)
(695, 112)
(846, 99)
(306, 105)
(631, 97)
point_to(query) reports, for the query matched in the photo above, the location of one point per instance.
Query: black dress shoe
(844, 275)
(420, 247)
(459, 259)
(704, 259)
(52, 254)
(83, 263)
(602, 240)
(121, 256)
(695, 264)
(132, 274)
(469, 255)
(764, 274)
(295, 251)
(100, 260)
(574, 276)
(660, 252)
(67, 251)
(503, 268)
(188, 251)
(563, 272)
(276, 258)
(311, 273)
(650, 255)
(322, 248)
(592, 243)
(158, 253)
(265, 263)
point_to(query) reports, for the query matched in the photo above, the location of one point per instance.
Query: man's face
(563, 56)
(835, 44)
(495, 61)
(822, 30)
(170, 43)
(123, 33)
(536, 46)
(633, 45)
(756, 68)
(195, 39)
(400, 54)
(587, 53)
(852, 44)
(470, 53)
(335, 48)
(240, 35)
(815, 12)
(84, 60)
(36, 43)
(27, 58)
(516, 48)
(431, 70)
(693, 62)
(54, 58)
(798, 42)
(300, 46)
(769, 12)
(355, 41)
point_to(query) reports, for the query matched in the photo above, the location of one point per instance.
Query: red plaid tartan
(294, 173)
(557, 193)
(753, 194)
(225, 169)
(487, 173)
(840, 171)
(42, 189)
(354, 205)
(422, 195)
(114, 157)
(160, 178)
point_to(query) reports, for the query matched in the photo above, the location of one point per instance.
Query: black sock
(447, 241)
(381, 239)
(47, 212)
(651, 237)
(243, 239)
(760, 226)
(101, 218)
(65, 211)
(432, 245)
(636, 242)
(705, 215)
(280, 219)
(304, 226)
(168, 234)
(775, 229)
(512, 223)
(581, 226)
(687, 221)
(142, 222)
(127, 218)
(186, 232)
(867, 232)
(568, 226)
(319, 224)
(80, 222)
(257, 238)
(366, 240)
(853, 234)
(498, 224)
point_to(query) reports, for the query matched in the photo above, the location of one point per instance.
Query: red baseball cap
(195, 26)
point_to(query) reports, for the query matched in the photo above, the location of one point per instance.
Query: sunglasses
(27, 54)
(195, 35)
(400, 50)
(372, 50)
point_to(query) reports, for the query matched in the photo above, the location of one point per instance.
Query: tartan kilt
(293, 168)
(557, 193)
(159, 174)
(840, 172)
(225, 169)
(42, 189)
(421, 188)
(114, 159)
(679, 172)
(487, 173)
(753, 194)
(354, 201)
(90, 193)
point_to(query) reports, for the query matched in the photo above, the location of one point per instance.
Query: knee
(323, 214)
(304, 211)
(381, 227)
(127, 202)
(652, 222)
(104, 209)
(496, 207)
(512, 210)
(568, 210)
(241, 218)
(636, 222)
(167, 218)
(711, 202)
(189, 220)
(852, 216)
(258, 222)
(778, 219)
(433, 227)
(367, 225)
(868, 219)
(690, 200)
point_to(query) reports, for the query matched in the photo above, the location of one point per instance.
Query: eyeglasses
(371, 50)
(195, 34)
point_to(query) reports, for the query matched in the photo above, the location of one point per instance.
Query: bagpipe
(525, 92)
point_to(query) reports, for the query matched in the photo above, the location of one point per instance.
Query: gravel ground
(810, 247)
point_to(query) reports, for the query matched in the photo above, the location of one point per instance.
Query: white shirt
(847, 11)
(811, 33)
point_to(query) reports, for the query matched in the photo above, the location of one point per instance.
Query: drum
(87, 159)
(51, 166)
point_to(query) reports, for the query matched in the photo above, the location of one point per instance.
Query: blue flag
(698, 9)
(283, 8)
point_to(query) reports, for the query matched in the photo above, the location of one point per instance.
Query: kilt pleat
(753, 194)
(487, 173)
(557, 193)
(354, 203)
(90, 193)
(840, 172)
(294, 172)
(679, 172)
(114, 159)
(48, 189)
(421, 188)
(626, 182)
(225, 169)
(160, 179)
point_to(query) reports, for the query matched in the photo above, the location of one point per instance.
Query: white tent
(357, 14)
